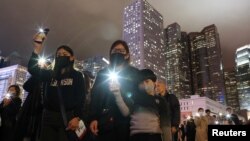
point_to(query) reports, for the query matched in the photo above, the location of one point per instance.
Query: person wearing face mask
(9, 109)
(148, 108)
(62, 80)
(201, 124)
(111, 98)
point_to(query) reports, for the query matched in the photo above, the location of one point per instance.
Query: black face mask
(62, 62)
(117, 59)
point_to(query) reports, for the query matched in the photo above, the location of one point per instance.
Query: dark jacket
(29, 119)
(101, 97)
(9, 112)
(174, 109)
(235, 119)
(71, 85)
(100, 91)
(190, 130)
(8, 116)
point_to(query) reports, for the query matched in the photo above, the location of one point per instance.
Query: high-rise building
(92, 65)
(177, 61)
(242, 59)
(206, 63)
(15, 74)
(232, 98)
(143, 31)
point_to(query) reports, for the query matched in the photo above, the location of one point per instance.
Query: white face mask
(201, 113)
(11, 92)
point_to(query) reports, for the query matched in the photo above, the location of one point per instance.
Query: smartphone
(46, 31)
(42, 33)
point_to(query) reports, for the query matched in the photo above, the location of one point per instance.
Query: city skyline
(85, 24)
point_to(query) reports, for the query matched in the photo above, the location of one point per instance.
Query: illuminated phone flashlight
(188, 117)
(197, 114)
(41, 61)
(41, 30)
(216, 122)
(8, 96)
(220, 114)
(44, 30)
(228, 115)
(113, 76)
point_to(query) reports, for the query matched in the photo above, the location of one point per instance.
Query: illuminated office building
(232, 97)
(242, 59)
(206, 64)
(143, 31)
(177, 61)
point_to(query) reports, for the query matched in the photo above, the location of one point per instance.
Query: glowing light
(8, 96)
(216, 122)
(113, 76)
(197, 114)
(105, 60)
(41, 61)
(41, 30)
(228, 116)
(220, 114)
(188, 117)
(129, 95)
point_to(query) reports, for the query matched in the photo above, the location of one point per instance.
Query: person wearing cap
(148, 107)
(62, 80)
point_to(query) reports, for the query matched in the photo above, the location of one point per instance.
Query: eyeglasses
(123, 51)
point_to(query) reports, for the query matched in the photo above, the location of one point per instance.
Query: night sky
(90, 26)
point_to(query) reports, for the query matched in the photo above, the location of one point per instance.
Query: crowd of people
(124, 103)
(195, 128)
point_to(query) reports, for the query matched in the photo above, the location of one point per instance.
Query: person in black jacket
(111, 97)
(174, 107)
(63, 86)
(29, 118)
(231, 117)
(9, 109)
(190, 129)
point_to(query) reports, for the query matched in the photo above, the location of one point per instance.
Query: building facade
(232, 98)
(15, 74)
(206, 64)
(242, 60)
(178, 72)
(143, 31)
(189, 107)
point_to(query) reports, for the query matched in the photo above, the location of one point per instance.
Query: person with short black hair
(9, 109)
(210, 119)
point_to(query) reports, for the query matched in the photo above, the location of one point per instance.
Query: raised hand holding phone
(39, 39)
